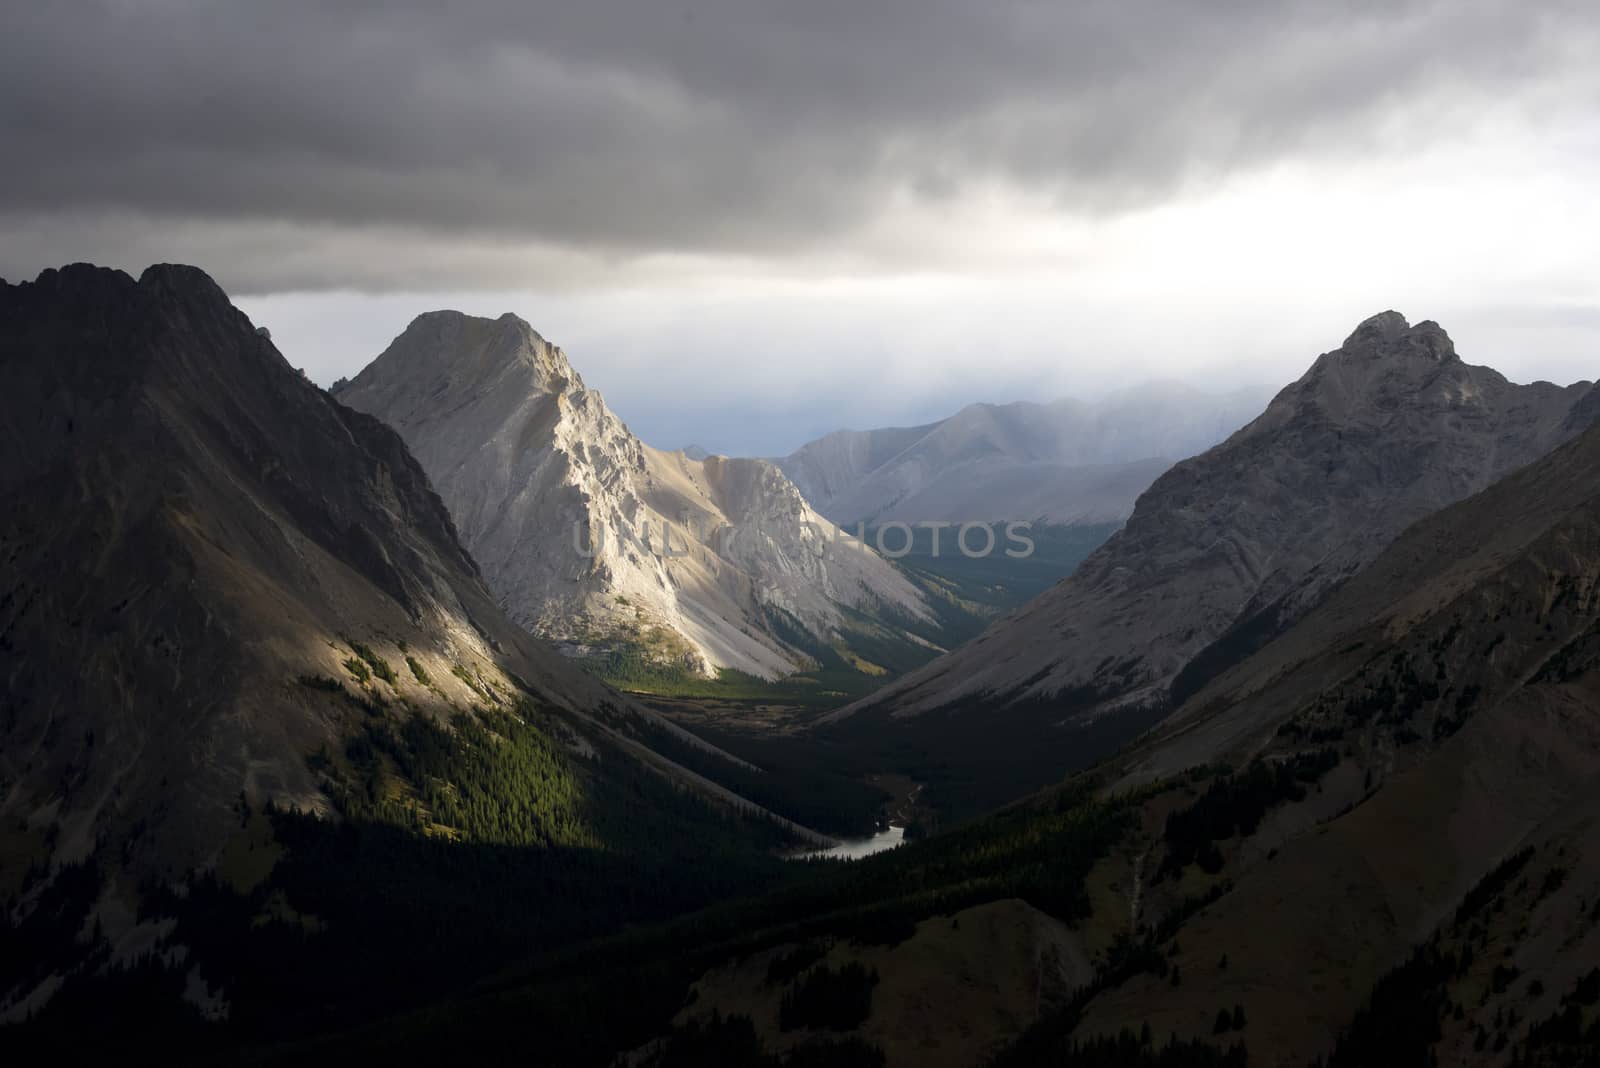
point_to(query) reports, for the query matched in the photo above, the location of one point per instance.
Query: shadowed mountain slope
(1227, 549)
(1375, 841)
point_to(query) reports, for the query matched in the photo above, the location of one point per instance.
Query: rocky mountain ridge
(1227, 549)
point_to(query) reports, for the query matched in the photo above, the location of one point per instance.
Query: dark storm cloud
(619, 128)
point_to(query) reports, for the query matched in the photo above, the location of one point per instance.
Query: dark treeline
(1570, 1037)
(787, 780)
(973, 760)
(1234, 804)
(1406, 1014)
(586, 1003)
(732, 1042)
(785, 966)
(423, 925)
(829, 999)
(1129, 1050)
(459, 850)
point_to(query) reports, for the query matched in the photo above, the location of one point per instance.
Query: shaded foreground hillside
(1376, 840)
(1373, 842)
(270, 754)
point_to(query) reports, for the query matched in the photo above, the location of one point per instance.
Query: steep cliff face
(1227, 549)
(593, 538)
(201, 553)
(1064, 462)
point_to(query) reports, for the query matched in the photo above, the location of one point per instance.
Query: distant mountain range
(1226, 550)
(636, 558)
(1064, 462)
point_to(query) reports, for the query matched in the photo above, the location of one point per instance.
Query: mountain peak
(86, 284)
(448, 349)
(1388, 334)
(1385, 324)
(1233, 546)
(178, 276)
(509, 327)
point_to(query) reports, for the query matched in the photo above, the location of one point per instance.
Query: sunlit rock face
(591, 537)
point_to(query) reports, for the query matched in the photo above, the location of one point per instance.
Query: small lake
(856, 848)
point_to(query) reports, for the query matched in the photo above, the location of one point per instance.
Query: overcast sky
(752, 221)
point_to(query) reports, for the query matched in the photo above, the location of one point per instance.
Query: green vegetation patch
(489, 777)
(380, 667)
(476, 684)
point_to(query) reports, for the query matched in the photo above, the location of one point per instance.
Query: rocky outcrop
(1227, 549)
(1062, 463)
(593, 538)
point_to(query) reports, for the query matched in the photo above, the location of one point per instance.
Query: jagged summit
(509, 325)
(1389, 322)
(508, 337)
(445, 359)
(1388, 335)
(79, 274)
(205, 343)
(177, 279)
(80, 281)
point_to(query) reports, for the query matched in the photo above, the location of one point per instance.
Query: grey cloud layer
(613, 128)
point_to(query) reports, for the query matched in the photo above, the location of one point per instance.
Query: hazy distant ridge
(1068, 461)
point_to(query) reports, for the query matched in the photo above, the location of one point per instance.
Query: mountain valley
(934, 591)
(1355, 823)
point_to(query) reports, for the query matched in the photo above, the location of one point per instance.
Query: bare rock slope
(589, 536)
